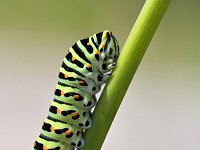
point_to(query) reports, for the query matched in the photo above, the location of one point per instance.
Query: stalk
(128, 62)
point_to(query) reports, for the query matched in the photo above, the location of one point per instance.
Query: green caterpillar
(86, 66)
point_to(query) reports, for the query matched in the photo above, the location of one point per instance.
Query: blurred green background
(161, 109)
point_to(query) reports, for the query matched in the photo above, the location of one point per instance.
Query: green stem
(129, 60)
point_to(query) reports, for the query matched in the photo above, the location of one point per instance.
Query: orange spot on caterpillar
(103, 45)
(76, 96)
(73, 58)
(96, 52)
(62, 93)
(68, 132)
(58, 111)
(88, 66)
(74, 114)
(66, 75)
(81, 82)
(105, 35)
(45, 147)
(52, 128)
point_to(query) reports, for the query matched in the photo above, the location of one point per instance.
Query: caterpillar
(87, 65)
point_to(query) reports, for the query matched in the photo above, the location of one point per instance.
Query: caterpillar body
(86, 66)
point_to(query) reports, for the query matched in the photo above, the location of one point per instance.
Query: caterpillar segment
(44, 143)
(87, 65)
(74, 96)
(75, 80)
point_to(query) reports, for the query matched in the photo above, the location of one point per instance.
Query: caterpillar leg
(111, 66)
(101, 79)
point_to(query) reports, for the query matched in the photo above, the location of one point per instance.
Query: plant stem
(129, 60)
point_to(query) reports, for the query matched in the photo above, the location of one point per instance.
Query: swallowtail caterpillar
(87, 65)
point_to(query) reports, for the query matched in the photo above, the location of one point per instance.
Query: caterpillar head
(109, 50)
